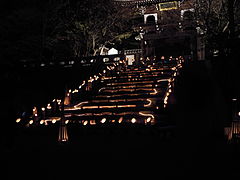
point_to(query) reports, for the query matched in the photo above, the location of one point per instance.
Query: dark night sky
(7, 6)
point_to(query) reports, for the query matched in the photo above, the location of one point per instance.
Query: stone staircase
(121, 94)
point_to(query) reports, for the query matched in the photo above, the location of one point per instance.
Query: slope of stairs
(121, 94)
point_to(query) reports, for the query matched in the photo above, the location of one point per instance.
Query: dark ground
(196, 148)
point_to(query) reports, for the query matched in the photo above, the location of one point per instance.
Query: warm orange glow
(234, 129)
(149, 103)
(85, 123)
(103, 120)
(67, 121)
(107, 106)
(155, 92)
(62, 135)
(133, 120)
(49, 106)
(18, 120)
(126, 83)
(75, 91)
(31, 122)
(120, 120)
(92, 122)
(121, 106)
(42, 122)
(58, 101)
(149, 119)
(89, 107)
(143, 114)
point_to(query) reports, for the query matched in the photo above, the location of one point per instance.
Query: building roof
(142, 2)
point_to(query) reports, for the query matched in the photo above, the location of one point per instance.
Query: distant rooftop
(143, 1)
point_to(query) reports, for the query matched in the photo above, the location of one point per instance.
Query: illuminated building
(168, 26)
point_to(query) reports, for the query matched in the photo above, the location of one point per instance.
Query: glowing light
(31, 122)
(63, 135)
(113, 121)
(120, 120)
(75, 91)
(143, 114)
(92, 122)
(133, 120)
(42, 122)
(58, 101)
(155, 92)
(149, 119)
(43, 108)
(67, 121)
(101, 89)
(238, 113)
(78, 106)
(54, 121)
(18, 120)
(85, 123)
(89, 107)
(149, 104)
(107, 106)
(103, 120)
(34, 109)
(121, 106)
